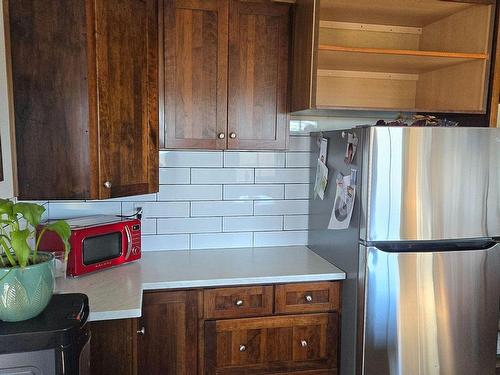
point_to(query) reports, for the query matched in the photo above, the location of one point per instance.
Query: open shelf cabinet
(425, 56)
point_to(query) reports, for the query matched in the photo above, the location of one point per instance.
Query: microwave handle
(129, 241)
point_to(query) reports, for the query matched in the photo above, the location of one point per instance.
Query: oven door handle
(129, 242)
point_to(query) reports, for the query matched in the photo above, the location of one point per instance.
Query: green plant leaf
(6, 208)
(63, 229)
(20, 246)
(32, 212)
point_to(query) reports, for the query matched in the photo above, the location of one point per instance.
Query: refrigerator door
(432, 183)
(431, 313)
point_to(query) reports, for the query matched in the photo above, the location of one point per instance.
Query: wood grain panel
(126, 83)
(169, 345)
(304, 55)
(258, 74)
(272, 344)
(113, 339)
(51, 101)
(294, 298)
(195, 73)
(222, 302)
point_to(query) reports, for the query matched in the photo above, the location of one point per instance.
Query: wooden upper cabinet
(195, 73)
(258, 74)
(84, 78)
(225, 74)
(168, 333)
(431, 56)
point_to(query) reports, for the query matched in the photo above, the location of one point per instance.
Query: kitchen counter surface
(117, 293)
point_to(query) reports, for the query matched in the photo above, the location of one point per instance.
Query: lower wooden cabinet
(168, 333)
(272, 345)
(270, 329)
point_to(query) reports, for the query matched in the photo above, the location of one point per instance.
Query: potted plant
(26, 275)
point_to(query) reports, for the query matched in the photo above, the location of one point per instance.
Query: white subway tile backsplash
(222, 176)
(254, 159)
(218, 240)
(165, 242)
(213, 199)
(252, 223)
(148, 226)
(64, 210)
(296, 222)
(190, 192)
(190, 225)
(250, 192)
(222, 208)
(157, 209)
(296, 191)
(190, 159)
(298, 159)
(282, 207)
(175, 176)
(300, 143)
(286, 238)
(282, 176)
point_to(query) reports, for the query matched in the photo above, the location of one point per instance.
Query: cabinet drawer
(272, 345)
(310, 297)
(238, 302)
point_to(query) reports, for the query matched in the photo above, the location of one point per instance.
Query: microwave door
(102, 247)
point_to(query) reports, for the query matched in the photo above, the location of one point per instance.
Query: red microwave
(97, 242)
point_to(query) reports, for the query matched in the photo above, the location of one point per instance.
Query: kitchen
(205, 119)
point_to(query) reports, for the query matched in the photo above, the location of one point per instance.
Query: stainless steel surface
(243, 348)
(432, 183)
(303, 343)
(309, 298)
(221, 136)
(232, 135)
(129, 241)
(431, 313)
(107, 185)
(141, 331)
(239, 303)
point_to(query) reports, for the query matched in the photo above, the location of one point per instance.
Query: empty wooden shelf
(431, 56)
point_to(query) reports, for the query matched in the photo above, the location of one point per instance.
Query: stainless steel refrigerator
(421, 251)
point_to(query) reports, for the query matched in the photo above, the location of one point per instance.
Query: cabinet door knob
(303, 343)
(107, 185)
(309, 298)
(221, 136)
(239, 302)
(243, 348)
(232, 135)
(141, 331)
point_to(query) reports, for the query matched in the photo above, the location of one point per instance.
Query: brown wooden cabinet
(225, 74)
(234, 330)
(84, 78)
(113, 347)
(168, 333)
(369, 55)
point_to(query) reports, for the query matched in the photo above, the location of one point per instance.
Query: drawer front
(309, 297)
(272, 345)
(238, 302)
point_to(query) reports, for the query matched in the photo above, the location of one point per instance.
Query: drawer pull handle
(243, 348)
(309, 298)
(141, 331)
(239, 303)
(303, 343)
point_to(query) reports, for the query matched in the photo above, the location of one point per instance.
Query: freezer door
(431, 313)
(432, 183)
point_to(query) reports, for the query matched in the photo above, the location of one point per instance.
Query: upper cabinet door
(126, 59)
(195, 73)
(258, 74)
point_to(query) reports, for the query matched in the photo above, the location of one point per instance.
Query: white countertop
(117, 293)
